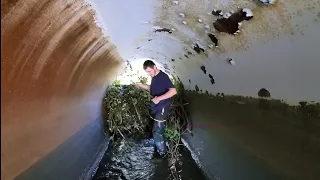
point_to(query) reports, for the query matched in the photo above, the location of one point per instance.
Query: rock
(231, 61)
(182, 15)
(264, 93)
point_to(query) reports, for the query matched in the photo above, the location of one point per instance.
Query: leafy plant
(143, 80)
(171, 134)
(116, 83)
(127, 113)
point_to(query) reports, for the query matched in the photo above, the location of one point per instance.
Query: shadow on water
(133, 159)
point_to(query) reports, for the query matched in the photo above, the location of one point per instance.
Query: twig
(121, 133)
(177, 105)
(136, 109)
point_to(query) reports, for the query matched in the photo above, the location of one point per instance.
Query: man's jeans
(159, 117)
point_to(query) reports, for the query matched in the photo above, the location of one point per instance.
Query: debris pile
(127, 114)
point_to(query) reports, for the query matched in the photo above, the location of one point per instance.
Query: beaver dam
(131, 150)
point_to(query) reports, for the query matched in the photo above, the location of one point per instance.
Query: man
(161, 89)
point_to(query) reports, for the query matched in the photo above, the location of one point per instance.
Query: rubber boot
(159, 139)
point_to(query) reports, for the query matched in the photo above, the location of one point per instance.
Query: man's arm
(169, 94)
(143, 86)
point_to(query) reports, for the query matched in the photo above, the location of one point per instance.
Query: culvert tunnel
(256, 82)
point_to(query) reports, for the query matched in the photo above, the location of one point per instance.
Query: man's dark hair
(148, 63)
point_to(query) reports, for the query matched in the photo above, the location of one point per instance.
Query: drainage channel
(132, 159)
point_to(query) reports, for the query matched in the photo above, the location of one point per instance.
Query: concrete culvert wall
(57, 60)
(55, 66)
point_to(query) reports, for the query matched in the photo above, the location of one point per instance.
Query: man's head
(150, 68)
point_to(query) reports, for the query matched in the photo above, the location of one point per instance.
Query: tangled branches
(127, 110)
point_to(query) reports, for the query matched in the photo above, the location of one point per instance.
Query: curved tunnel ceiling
(55, 67)
(275, 50)
(56, 62)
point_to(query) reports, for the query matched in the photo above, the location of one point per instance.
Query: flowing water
(133, 159)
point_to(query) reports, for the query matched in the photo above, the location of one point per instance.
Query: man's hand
(156, 100)
(143, 86)
(138, 86)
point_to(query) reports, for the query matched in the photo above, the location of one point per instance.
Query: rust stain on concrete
(55, 66)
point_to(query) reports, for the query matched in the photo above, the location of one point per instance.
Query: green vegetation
(126, 110)
(127, 114)
(143, 80)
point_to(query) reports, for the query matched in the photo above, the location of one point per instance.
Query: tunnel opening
(256, 120)
(126, 119)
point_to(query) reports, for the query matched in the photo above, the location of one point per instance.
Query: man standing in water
(161, 89)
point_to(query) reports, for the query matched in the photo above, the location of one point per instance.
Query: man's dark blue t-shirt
(160, 84)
